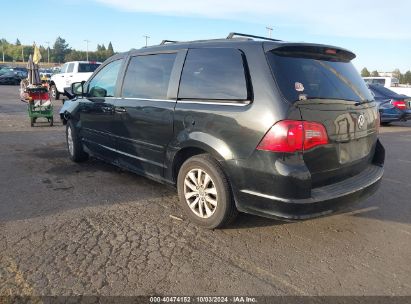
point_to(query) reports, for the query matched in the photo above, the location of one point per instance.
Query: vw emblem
(361, 121)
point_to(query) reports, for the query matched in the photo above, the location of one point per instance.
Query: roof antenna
(269, 29)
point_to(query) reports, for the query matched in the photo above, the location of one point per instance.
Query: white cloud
(348, 18)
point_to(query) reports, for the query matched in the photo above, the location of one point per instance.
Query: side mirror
(77, 88)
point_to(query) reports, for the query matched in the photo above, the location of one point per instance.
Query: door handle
(120, 110)
(107, 109)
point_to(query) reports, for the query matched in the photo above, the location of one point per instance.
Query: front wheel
(74, 146)
(55, 95)
(205, 193)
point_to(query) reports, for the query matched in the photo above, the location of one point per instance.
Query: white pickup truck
(73, 71)
(391, 83)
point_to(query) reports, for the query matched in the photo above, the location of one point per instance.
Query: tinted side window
(213, 74)
(70, 68)
(64, 68)
(103, 83)
(379, 81)
(148, 76)
(87, 67)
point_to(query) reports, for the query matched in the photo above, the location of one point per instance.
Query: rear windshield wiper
(363, 102)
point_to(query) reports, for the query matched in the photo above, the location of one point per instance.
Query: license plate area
(354, 150)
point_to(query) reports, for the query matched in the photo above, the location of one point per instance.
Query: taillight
(400, 104)
(314, 135)
(378, 123)
(39, 96)
(293, 136)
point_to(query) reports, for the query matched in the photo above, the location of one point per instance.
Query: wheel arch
(190, 149)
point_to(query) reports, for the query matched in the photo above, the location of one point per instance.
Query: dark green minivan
(250, 124)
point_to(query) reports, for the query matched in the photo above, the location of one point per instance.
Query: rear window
(317, 77)
(380, 81)
(87, 67)
(384, 91)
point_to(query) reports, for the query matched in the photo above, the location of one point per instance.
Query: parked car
(272, 128)
(391, 83)
(21, 69)
(45, 74)
(70, 72)
(392, 106)
(12, 77)
(4, 69)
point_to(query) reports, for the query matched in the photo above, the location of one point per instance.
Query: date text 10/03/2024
(203, 299)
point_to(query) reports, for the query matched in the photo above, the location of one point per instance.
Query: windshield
(87, 67)
(311, 78)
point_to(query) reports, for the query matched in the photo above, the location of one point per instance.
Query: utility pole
(48, 51)
(147, 37)
(87, 41)
(269, 29)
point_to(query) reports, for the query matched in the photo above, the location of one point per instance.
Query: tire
(215, 195)
(55, 95)
(74, 146)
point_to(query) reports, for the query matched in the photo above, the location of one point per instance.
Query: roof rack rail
(232, 34)
(167, 41)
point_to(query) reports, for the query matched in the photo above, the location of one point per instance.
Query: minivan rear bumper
(323, 200)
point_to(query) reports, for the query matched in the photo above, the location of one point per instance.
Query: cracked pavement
(93, 229)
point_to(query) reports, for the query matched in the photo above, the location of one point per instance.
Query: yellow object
(36, 55)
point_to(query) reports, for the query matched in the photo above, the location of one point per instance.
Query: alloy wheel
(200, 193)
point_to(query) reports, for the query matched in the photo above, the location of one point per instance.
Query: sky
(378, 32)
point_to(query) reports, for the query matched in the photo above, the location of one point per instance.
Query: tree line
(403, 78)
(60, 52)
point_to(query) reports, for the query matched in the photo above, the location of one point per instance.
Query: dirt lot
(93, 229)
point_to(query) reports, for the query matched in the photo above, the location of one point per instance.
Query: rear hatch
(326, 88)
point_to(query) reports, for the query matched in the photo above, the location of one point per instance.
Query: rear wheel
(74, 146)
(205, 193)
(55, 95)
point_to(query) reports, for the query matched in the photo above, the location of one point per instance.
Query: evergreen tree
(397, 74)
(407, 77)
(110, 49)
(375, 73)
(60, 50)
(18, 42)
(365, 72)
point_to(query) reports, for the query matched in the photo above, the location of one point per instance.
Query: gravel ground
(92, 229)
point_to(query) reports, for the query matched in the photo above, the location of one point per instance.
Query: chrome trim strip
(150, 99)
(138, 142)
(132, 156)
(243, 104)
(271, 197)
